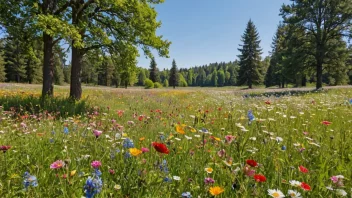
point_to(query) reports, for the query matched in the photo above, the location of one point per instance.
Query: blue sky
(207, 31)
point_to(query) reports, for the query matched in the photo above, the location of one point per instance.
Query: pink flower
(221, 153)
(230, 138)
(97, 133)
(248, 171)
(57, 164)
(96, 164)
(111, 171)
(209, 180)
(145, 150)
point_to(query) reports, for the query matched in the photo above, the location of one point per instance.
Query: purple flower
(209, 180)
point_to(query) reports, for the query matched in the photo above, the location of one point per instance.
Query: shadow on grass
(61, 107)
(284, 93)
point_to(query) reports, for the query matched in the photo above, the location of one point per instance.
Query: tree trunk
(75, 86)
(48, 66)
(319, 74)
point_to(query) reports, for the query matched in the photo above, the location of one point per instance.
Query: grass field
(175, 143)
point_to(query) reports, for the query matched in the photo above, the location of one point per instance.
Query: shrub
(157, 85)
(148, 84)
(166, 83)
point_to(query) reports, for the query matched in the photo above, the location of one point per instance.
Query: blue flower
(66, 130)
(350, 101)
(162, 138)
(204, 130)
(53, 132)
(97, 172)
(250, 116)
(163, 166)
(283, 148)
(186, 195)
(127, 143)
(127, 155)
(29, 180)
(51, 140)
(166, 179)
(93, 186)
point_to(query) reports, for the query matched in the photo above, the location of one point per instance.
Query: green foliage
(166, 83)
(181, 80)
(141, 77)
(2, 68)
(154, 71)
(158, 85)
(250, 57)
(174, 80)
(148, 84)
(323, 23)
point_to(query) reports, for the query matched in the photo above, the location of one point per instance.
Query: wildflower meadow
(175, 143)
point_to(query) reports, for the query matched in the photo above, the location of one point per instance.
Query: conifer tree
(153, 76)
(250, 57)
(173, 75)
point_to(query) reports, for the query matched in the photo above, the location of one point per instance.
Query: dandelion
(57, 164)
(294, 194)
(135, 152)
(275, 193)
(216, 190)
(208, 170)
(96, 164)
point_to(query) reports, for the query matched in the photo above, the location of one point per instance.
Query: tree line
(311, 44)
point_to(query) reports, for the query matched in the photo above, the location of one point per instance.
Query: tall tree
(153, 71)
(115, 26)
(323, 21)
(173, 75)
(2, 68)
(250, 57)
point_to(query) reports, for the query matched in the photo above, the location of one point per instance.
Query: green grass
(38, 140)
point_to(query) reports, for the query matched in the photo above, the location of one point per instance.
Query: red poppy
(259, 178)
(305, 186)
(267, 102)
(303, 169)
(4, 148)
(140, 118)
(326, 123)
(252, 163)
(160, 147)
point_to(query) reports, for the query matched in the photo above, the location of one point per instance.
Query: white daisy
(341, 192)
(294, 194)
(177, 178)
(295, 183)
(275, 193)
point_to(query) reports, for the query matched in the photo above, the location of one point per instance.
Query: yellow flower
(193, 130)
(216, 190)
(208, 170)
(73, 173)
(135, 152)
(179, 129)
(142, 138)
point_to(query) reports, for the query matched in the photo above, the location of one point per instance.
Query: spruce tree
(250, 57)
(173, 75)
(153, 76)
(2, 68)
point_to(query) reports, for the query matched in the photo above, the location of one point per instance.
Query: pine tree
(250, 57)
(173, 75)
(154, 76)
(15, 64)
(2, 68)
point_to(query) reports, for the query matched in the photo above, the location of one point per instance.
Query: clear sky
(208, 31)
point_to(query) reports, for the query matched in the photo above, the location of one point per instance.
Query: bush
(182, 83)
(166, 83)
(157, 85)
(148, 84)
